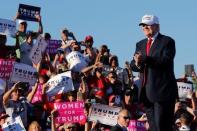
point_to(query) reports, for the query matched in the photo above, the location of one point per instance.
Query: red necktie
(148, 45)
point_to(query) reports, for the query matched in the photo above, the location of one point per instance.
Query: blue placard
(28, 12)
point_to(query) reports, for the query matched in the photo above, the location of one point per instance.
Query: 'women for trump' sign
(6, 66)
(70, 112)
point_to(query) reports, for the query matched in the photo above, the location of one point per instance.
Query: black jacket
(159, 67)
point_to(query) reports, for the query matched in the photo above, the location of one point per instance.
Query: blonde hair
(33, 125)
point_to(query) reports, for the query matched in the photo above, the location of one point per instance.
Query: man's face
(124, 118)
(150, 30)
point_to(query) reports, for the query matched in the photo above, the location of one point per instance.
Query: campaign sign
(135, 125)
(7, 27)
(28, 12)
(6, 66)
(37, 50)
(23, 73)
(104, 114)
(52, 46)
(76, 61)
(60, 83)
(70, 112)
(184, 89)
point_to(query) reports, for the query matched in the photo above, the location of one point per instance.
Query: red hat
(3, 115)
(89, 38)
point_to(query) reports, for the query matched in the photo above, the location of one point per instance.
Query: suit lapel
(155, 44)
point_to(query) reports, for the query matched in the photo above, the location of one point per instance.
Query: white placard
(7, 27)
(76, 60)
(104, 114)
(60, 83)
(38, 49)
(184, 89)
(23, 73)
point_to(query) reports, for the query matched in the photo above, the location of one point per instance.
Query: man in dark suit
(154, 58)
(122, 121)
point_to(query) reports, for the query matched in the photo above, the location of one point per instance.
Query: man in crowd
(123, 121)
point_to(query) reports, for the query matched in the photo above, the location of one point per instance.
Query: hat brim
(140, 24)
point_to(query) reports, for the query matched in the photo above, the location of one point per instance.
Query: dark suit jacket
(159, 65)
(116, 128)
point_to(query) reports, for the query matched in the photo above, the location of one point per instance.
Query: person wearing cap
(154, 59)
(89, 49)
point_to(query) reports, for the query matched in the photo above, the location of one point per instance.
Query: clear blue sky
(115, 23)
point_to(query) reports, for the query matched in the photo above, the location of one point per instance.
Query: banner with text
(24, 73)
(7, 27)
(70, 112)
(6, 66)
(104, 114)
(60, 83)
(37, 50)
(52, 46)
(184, 89)
(28, 12)
(135, 125)
(76, 61)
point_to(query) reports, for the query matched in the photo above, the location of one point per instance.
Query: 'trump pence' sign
(24, 73)
(52, 46)
(184, 89)
(70, 112)
(76, 61)
(7, 27)
(28, 12)
(60, 83)
(104, 114)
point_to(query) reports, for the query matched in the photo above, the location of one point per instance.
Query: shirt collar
(155, 36)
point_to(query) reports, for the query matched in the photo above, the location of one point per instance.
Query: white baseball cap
(21, 21)
(149, 20)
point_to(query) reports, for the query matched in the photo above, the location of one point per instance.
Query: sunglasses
(126, 117)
